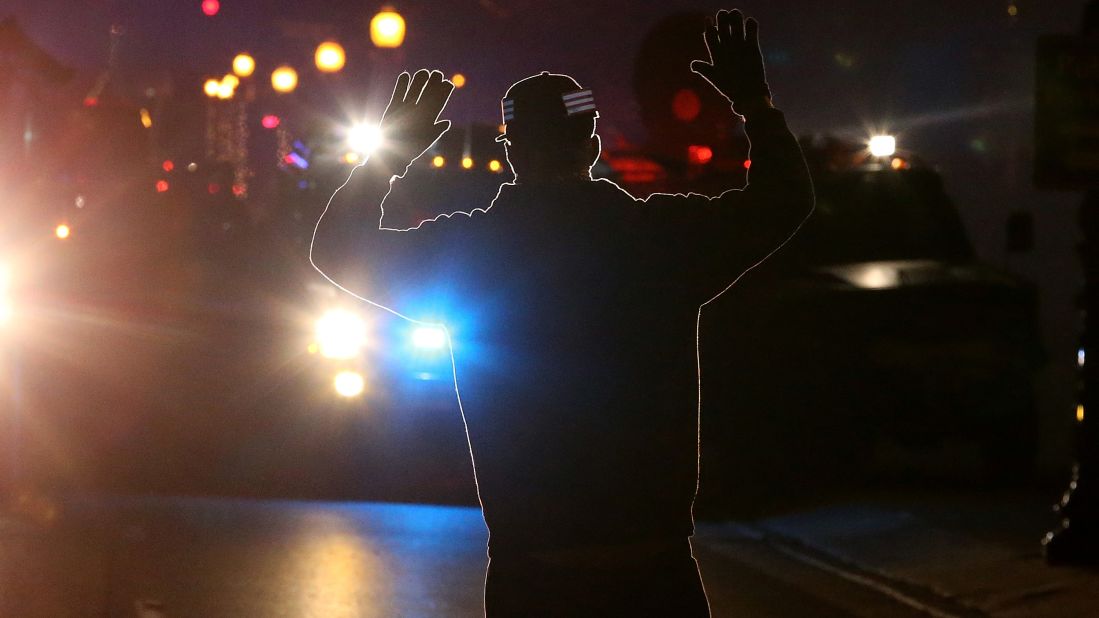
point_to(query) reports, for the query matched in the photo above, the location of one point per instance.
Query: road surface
(169, 557)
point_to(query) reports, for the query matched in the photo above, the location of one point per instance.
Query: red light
(213, 188)
(90, 101)
(747, 163)
(161, 186)
(270, 121)
(700, 155)
(211, 7)
(686, 106)
(168, 165)
(239, 190)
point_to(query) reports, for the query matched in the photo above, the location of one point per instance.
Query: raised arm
(725, 235)
(350, 245)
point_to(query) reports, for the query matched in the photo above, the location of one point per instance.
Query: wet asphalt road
(160, 557)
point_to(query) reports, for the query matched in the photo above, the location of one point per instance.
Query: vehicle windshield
(882, 215)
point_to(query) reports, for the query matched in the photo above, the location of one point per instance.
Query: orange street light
(211, 87)
(284, 79)
(244, 65)
(387, 28)
(330, 57)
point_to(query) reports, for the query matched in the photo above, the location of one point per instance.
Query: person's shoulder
(612, 189)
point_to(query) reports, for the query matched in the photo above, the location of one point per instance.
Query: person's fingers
(736, 26)
(721, 27)
(399, 89)
(433, 78)
(436, 93)
(751, 32)
(712, 42)
(417, 86)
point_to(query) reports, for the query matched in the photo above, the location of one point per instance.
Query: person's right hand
(736, 64)
(410, 124)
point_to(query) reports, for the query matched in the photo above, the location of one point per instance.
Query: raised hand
(736, 64)
(411, 122)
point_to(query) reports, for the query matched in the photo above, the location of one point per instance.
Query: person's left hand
(410, 124)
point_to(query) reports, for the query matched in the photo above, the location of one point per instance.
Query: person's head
(550, 128)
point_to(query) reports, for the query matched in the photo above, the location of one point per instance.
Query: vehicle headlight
(429, 337)
(340, 334)
(349, 384)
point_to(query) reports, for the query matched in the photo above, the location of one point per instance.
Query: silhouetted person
(572, 308)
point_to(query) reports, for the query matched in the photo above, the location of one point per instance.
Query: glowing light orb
(467, 162)
(210, 7)
(330, 57)
(495, 166)
(211, 87)
(882, 145)
(387, 29)
(270, 121)
(438, 161)
(284, 79)
(429, 337)
(349, 384)
(364, 138)
(62, 231)
(244, 65)
(458, 80)
(340, 334)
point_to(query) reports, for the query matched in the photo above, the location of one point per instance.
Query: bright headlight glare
(340, 334)
(364, 138)
(882, 145)
(349, 384)
(429, 337)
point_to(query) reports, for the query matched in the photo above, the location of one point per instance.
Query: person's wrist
(749, 106)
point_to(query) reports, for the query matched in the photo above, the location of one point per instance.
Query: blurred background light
(429, 337)
(340, 334)
(364, 138)
(284, 79)
(882, 145)
(244, 65)
(387, 28)
(349, 384)
(330, 57)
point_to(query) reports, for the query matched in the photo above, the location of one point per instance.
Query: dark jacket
(573, 311)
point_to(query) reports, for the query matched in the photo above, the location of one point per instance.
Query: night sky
(952, 79)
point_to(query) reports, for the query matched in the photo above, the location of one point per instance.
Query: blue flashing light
(429, 337)
(303, 184)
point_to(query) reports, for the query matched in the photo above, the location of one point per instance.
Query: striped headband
(575, 103)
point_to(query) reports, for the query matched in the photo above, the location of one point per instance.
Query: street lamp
(244, 65)
(211, 87)
(284, 79)
(330, 57)
(387, 28)
(226, 89)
